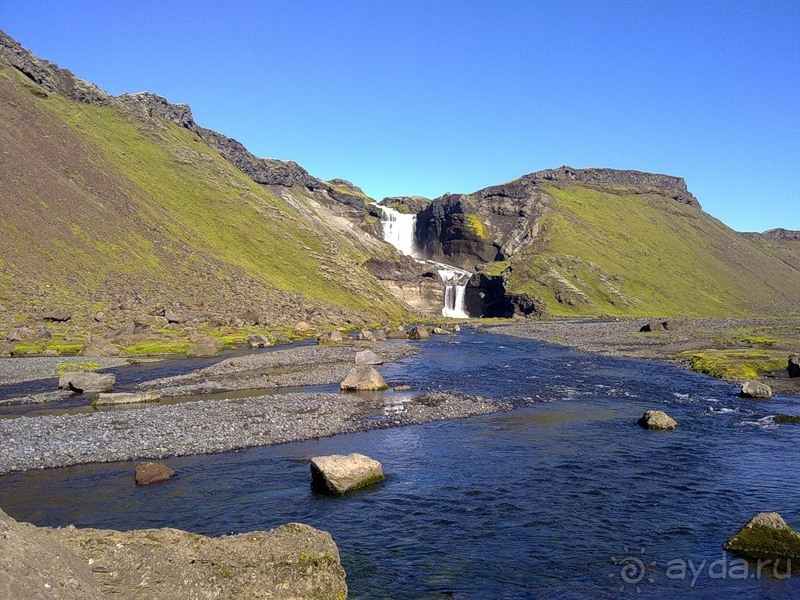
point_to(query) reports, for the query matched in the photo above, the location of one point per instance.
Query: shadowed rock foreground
(293, 561)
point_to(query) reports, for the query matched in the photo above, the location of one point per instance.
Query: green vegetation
(71, 367)
(734, 364)
(786, 419)
(156, 347)
(475, 226)
(616, 252)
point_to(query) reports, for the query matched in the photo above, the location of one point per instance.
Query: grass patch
(734, 364)
(157, 347)
(72, 367)
(475, 226)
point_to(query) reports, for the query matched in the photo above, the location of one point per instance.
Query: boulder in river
(397, 334)
(657, 419)
(363, 378)
(784, 419)
(794, 365)
(756, 389)
(766, 536)
(368, 357)
(126, 398)
(85, 382)
(205, 347)
(153, 472)
(366, 335)
(418, 332)
(440, 331)
(338, 474)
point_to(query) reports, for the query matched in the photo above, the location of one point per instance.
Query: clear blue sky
(423, 98)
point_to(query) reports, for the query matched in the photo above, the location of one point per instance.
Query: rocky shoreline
(209, 426)
(623, 338)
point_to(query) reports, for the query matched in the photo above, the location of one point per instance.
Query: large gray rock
(418, 332)
(756, 389)
(338, 474)
(440, 331)
(794, 365)
(368, 357)
(82, 382)
(258, 340)
(126, 398)
(657, 419)
(766, 536)
(153, 472)
(205, 347)
(363, 378)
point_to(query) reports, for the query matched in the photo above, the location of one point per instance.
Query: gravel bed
(293, 367)
(19, 370)
(216, 426)
(40, 398)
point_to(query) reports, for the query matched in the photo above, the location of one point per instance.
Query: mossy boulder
(766, 536)
(786, 419)
(657, 419)
(756, 389)
(338, 474)
(204, 347)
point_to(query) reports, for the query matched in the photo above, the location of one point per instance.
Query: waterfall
(400, 231)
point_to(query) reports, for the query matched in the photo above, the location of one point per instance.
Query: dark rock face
(486, 296)
(794, 365)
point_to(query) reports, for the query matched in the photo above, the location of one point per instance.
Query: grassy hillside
(100, 207)
(605, 250)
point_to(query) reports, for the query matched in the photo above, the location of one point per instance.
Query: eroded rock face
(363, 378)
(766, 536)
(657, 419)
(338, 474)
(153, 472)
(756, 389)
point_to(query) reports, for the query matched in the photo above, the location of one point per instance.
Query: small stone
(402, 388)
(153, 472)
(657, 419)
(756, 389)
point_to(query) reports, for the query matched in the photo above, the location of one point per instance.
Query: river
(564, 498)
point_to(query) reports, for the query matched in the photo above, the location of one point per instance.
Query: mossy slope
(608, 250)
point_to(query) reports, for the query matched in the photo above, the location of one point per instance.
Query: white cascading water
(399, 230)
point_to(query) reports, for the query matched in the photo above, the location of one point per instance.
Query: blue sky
(428, 97)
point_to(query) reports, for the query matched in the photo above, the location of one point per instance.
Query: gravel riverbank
(19, 370)
(217, 426)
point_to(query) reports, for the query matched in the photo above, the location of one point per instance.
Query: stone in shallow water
(126, 398)
(338, 474)
(82, 382)
(756, 389)
(368, 357)
(363, 378)
(418, 333)
(766, 536)
(153, 472)
(657, 419)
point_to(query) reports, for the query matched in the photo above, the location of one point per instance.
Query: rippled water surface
(562, 499)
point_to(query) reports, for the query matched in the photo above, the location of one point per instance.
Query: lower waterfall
(399, 230)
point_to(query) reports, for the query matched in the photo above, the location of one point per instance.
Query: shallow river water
(566, 498)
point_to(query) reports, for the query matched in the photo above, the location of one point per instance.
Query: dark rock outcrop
(486, 296)
(793, 368)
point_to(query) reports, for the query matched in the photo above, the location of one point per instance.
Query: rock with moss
(363, 378)
(756, 389)
(204, 347)
(787, 419)
(418, 332)
(657, 419)
(766, 536)
(107, 399)
(153, 472)
(338, 474)
(83, 382)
